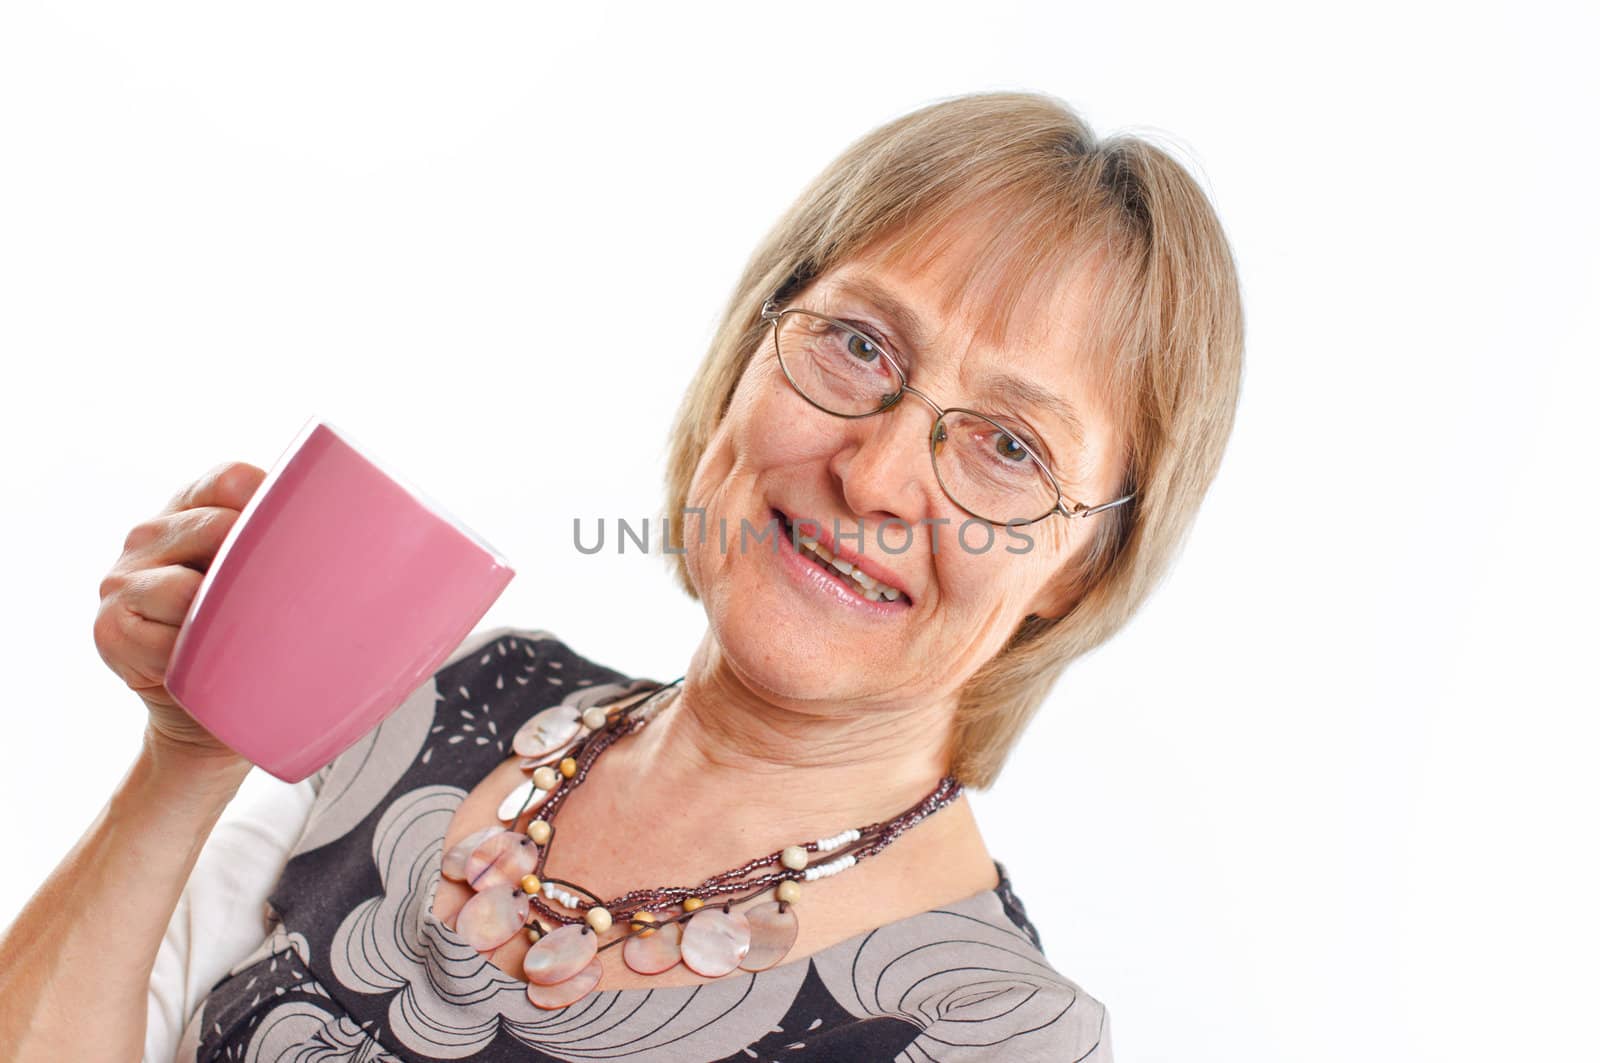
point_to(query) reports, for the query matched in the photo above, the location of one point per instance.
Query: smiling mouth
(846, 573)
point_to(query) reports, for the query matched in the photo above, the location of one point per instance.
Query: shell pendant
(773, 929)
(502, 859)
(547, 732)
(655, 950)
(715, 941)
(491, 918)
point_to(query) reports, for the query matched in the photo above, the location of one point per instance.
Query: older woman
(967, 396)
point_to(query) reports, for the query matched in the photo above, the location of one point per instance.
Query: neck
(766, 766)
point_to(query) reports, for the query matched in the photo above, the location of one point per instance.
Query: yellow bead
(569, 767)
(788, 891)
(643, 923)
(794, 857)
(530, 884)
(693, 904)
(544, 778)
(599, 919)
(533, 935)
(539, 831)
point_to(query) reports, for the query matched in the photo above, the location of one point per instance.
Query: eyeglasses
(988, 469)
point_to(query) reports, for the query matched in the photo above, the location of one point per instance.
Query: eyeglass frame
(771, 314)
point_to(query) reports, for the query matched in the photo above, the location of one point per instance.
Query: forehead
(950, 298)
(1008, 266)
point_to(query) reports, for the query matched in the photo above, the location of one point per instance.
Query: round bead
(539, 831)
(533, 935)
(569, 767)
(643, 922)
(794, 857)
(530, 883)
(693, 904)
(598, 919)
(788, 891)
(544, 778)
(594, 718)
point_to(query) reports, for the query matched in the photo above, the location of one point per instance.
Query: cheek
(756, 435)
(989, 577)
(768, 426)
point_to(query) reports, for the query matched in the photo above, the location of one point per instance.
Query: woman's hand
(147, 593)
(113, 895)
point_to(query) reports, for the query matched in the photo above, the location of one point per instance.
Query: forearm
(75, 965)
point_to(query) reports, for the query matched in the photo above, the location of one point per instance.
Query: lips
(868, 578)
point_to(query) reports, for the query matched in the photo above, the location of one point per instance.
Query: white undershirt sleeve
(220, 916)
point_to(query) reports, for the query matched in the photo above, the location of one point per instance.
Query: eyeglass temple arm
(1078, 509)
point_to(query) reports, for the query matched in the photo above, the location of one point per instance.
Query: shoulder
(522, 652)
(1071, 1026)
(500, 677)
(508, 672)
(466, 710)
(971, 975)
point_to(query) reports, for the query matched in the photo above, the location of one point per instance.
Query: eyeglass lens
(979, 462)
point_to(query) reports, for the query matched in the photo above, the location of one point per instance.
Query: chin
(785, 658)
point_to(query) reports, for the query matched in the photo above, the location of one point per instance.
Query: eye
(861, 347)
(1009, 448)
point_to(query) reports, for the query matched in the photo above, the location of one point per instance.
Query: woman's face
(791, 626)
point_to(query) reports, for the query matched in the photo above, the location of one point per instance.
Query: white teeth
(870, 588)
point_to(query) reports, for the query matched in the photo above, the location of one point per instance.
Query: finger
(191, 537)
(230, 485)
(161, 595)
(148, 653)
(135, 648)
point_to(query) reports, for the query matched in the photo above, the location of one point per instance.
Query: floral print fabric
(357, 968)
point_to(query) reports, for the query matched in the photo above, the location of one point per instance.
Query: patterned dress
(357, 968)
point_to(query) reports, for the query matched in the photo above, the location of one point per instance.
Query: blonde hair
(1166, 344)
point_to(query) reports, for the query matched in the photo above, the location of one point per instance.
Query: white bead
(832, 867)
(545, 778)
(594, 718)
(794, 857)
(833, 841)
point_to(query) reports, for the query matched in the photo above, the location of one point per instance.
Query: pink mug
(337, 592)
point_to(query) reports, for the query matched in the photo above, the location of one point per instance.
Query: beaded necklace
(662, 925)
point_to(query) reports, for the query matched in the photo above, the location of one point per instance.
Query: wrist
(176, 766)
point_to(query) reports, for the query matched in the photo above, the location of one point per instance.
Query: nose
(884, 469)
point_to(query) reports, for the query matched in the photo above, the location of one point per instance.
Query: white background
(1331, 797)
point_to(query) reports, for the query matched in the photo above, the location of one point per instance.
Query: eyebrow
(904, 319)
(1021, 389)
(1017, 388)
